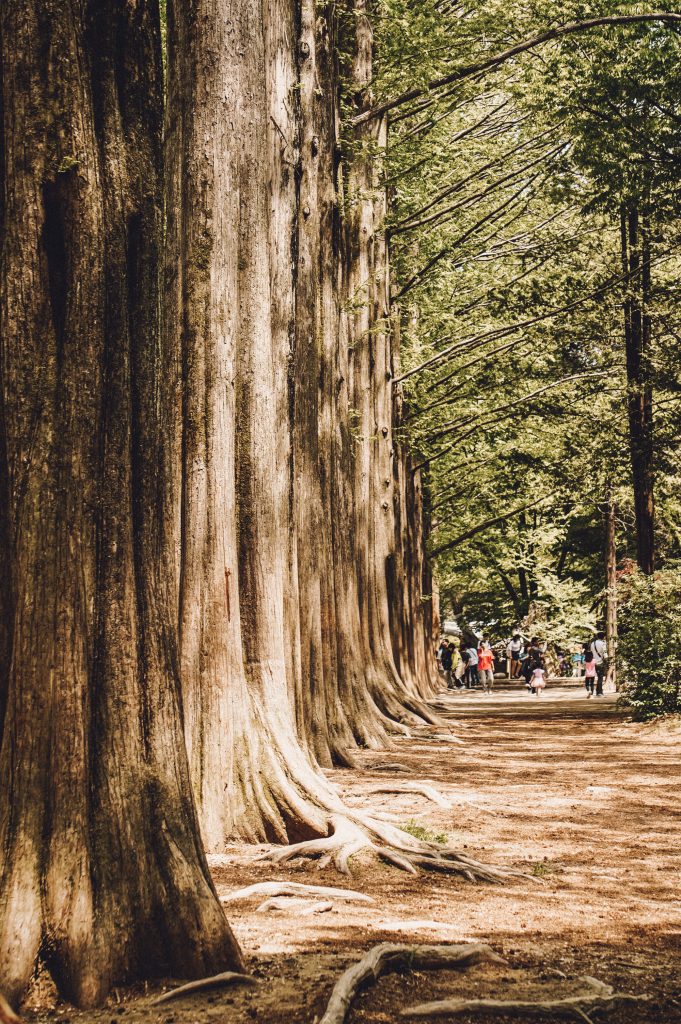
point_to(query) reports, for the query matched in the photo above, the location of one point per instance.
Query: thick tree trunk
(101, 863)
(283, 650)
(412, 590)
(636, 264)
(249, 550)
(366, 272)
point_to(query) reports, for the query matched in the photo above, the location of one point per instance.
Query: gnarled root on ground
(296, 889)
(394, 957)
(216, 981)
(570, 1007)
(351, 834)
(7, 1014)
(302, 907)
(422, 788)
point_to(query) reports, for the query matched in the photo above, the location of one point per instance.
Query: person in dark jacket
(446, 659)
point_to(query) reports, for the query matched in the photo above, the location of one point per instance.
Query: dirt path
(565, 788)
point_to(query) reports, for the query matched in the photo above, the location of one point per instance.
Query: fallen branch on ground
(391, 957)
(420, 788)
(7, 1014)
(296, 889)
(216, 981)
(302, 907)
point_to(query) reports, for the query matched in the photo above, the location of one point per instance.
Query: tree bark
(283, 639)
(101, 863)
(637, 327)
(611, 587)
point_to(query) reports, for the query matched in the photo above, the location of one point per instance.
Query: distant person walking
(577, 664)
(532, 658)
(600, 653)
(538, 678)
(446, 659)
(589, 670)
(486, 665)
(473, 678)
(513, 652)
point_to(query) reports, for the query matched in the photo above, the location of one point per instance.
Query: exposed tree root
(421, 788)
(296, 889)
(440, 737)
(388, 766)
(302, 907)
(7, 1014)
(353, 834)
(394, 957)
(216, 981)
(571, 1006)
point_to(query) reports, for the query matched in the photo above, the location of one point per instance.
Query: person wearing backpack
(600, 655)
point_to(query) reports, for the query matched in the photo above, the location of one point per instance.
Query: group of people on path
(595, 659)
(527, 663)
(469, 665)
(474, 664)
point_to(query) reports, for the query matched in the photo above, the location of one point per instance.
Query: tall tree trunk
(366, 272)
(102, 867)
(611, 587)
(412, 591)
(248, 656)
(635, 240)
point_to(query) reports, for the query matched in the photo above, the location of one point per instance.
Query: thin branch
(558, 32)
(462, 182)
(492, 187)
(494, 414)
(492, 215)
(481, 527)
(502, 332)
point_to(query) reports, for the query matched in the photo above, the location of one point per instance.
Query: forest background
(534, 237)
(263, 346)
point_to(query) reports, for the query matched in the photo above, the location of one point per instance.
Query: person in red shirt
(486, 665)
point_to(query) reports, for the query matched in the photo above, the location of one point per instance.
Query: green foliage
(424, 833)
(505, 195)
(649, 649)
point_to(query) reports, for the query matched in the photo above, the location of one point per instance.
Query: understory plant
(649, 648)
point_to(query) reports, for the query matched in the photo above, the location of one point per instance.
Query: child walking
(590, 673)
(538, 680)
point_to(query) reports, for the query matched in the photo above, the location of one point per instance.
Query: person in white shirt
(600, 653)
(513, 652)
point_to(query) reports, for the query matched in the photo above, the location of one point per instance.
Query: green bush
(649, 648)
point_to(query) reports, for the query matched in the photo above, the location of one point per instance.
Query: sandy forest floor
(567, 789)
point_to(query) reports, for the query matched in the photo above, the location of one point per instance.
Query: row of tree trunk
(213, 576)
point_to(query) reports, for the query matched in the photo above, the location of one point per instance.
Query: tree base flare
(394, 957)
(7, 1014)
(351, 835)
